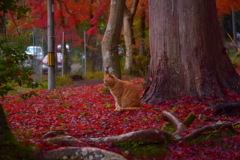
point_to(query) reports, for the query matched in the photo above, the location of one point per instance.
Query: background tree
(187, 55)
(11, 11)
(95, 34)
(128, 34)
(142, 37)
(110, 42)
(12, 72)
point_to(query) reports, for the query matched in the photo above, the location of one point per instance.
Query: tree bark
(128, 34)
(111, 58)
(187, 58)
(228, 108)
(142, 30)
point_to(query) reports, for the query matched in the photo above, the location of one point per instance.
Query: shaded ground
(86, 82)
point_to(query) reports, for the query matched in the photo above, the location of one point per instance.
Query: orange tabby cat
(125, 94)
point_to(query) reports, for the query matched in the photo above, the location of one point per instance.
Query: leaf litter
(87, 112)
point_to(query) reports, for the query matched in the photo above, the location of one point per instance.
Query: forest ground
(86, 112)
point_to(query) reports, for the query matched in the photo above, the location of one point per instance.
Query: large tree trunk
(111, 58)
(187, 56)
(128, 34)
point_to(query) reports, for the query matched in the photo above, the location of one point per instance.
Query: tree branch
(134, 7)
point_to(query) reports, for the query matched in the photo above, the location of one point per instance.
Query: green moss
(138, 150)
(66, 105)
(212, 136)
(233, 56)
(168, 127)
(93, 75)
(236, 125)
(12, 150)
(106, 90)
(189, 119)
(108, 105)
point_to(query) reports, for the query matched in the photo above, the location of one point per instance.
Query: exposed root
(228, 108)
(55, 133)
(64, 141)
(213, 127)
(180, 127)
(145, 137)
(148, 136)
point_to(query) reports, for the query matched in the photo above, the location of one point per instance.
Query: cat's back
(130, 88)
(130, 96)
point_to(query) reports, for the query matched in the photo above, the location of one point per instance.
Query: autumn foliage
(86, 112)
(225, 6)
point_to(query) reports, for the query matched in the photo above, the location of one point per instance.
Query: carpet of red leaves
(87, 112)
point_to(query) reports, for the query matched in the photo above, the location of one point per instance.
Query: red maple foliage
(225, 6)
(86, 112)
(92, 31)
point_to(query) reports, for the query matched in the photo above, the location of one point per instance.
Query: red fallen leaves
(86, 112)
(238, 69)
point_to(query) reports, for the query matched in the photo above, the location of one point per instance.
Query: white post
(85, 54)
(63, 54)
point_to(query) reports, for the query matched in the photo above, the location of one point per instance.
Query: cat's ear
(106, 74)
(110, 75)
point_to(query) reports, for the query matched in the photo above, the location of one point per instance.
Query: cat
(126, 95)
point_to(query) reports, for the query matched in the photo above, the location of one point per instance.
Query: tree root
(212, 127)
(55, 133)
(64, 141)
(148, 136)
(145, 137)
(180, 127)
(228, 108)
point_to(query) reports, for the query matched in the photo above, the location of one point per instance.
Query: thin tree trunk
(2, 25)
(111, 58)
(187, 56)
(128, 34)
(142, 31)
(234, 27)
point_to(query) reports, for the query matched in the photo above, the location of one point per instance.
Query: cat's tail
(129, 108)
